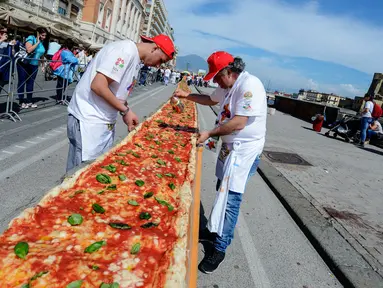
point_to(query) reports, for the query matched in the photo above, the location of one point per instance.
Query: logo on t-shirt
(120, 63)
(225, 113)
(248, 95)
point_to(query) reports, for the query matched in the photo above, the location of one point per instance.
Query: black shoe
(211, 262)
(206, 236)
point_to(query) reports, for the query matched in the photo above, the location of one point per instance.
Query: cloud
(277, 27)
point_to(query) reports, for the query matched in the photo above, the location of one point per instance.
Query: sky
(332, 46)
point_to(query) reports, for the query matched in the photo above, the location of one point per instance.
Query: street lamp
(95, 24)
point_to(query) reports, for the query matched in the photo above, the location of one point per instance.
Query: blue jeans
(232, 211)
(364, 122)
(27, 75)
(371, 134)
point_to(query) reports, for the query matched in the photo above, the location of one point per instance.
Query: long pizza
(122, 221)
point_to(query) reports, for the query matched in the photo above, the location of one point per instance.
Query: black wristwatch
(125, 112)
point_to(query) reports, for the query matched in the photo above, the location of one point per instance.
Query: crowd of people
(25, 55)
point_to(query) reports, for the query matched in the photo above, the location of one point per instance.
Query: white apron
(96, 139)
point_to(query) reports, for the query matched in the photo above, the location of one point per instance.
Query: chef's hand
(180, 93)
(203, 136)
(131, 120)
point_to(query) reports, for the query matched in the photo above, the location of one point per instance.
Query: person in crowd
(375, 130)
(366, 119)
(173, 77)
(27, 70)
(178, 76)
(144, 74)
(167, 75)
(53, 47)
(189, 80)
(65, 71)
(102, 93)
(241, 123)
(82, 61)
(6, 49)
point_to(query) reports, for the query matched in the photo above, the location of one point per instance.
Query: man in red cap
(102, 93)
(241, 124)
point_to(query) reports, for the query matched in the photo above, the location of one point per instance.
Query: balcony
(63, 20)
(79, 2)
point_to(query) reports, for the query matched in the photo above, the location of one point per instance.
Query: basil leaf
(172, 186)
(101, 192)
(183, 145)
(149, 225)
(112, 285)
(170, 151)
(145, 216)
(157, 142)
(122, 162)
(133, 202)
(21, 249)
(159, 121)
(136, 155)
(159, 175)
(178, 159)
(121, 226)
(135, 249)
(95, 267)
(139, 183)
(98, 208)
(75, 219)
(170, 175)
(122, 177)
(154, 156)
(26, 286)
(148, 195)
(110, 168)
(95, 246)
(75, 284)
(164, 203)
(161, 162)
(138, 145)
(103, 178)
(122, 154)
(76, 193)
(150, 135)
(129, 151)
(112, 187)
(37, 275)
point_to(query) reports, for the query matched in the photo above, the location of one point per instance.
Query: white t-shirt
(370, 106)
(119, 61)
(378, 128)
(247, 99)
(178, 75)
(167, 72)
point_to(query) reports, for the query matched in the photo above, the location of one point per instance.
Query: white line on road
(50, 134)
(31, 142)
(20, 147)
(257, 271)
(42, 138)
(22, 165)
(7, 152)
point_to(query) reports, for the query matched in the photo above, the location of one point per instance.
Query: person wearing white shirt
(375, 130)
(241, 123)
(102, 92)
(366, 119)
(173, 77)
(167, 76)
(178, 76)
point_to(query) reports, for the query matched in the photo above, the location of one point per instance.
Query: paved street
(269, 250)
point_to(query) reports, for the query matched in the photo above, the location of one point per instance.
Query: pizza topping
(121, 226)
(112, 187)
(164, 203)
(154, 156)
(149, 225)
(103, 178)
(21, 249)
(172, 186)
(183, 145)
(95, 246)
(110, 168)
(159, 121)
(159, 175)
(145, 216)
(95, 267)
(177, 159)
(138, 145)
(139, 183)
(170, 151)
(98, 208)
(112, 285)
(148, 195)
(171, 175)
(121, 154)
(122, 177)
(136, 155)
(135, 249)
(37, 275)
(76, 193)
(157, 142)
(75, 219)
(161, 162)
(133, 202)
(75, 284)
(100, 192)
(122, 162)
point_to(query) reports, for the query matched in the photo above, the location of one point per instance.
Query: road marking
(21, 147)
(42, 138)
(31, 142)
(23, 164)
(7, 152)
(256, 268)
(50, 134)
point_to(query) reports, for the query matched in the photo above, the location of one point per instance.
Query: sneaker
(33, 105)
(211, 262)
(206, 236)
(24, 106)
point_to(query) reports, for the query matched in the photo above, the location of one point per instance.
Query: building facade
(110, 20)
(62, 17)
(313, 96)
(331, 99)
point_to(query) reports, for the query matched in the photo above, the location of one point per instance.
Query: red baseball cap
(217, 61)
(162, 41)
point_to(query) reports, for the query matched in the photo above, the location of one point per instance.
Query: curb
(348, 266)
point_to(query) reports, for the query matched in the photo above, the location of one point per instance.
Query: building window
(108, 15)
(100, 13)
(63, 6)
